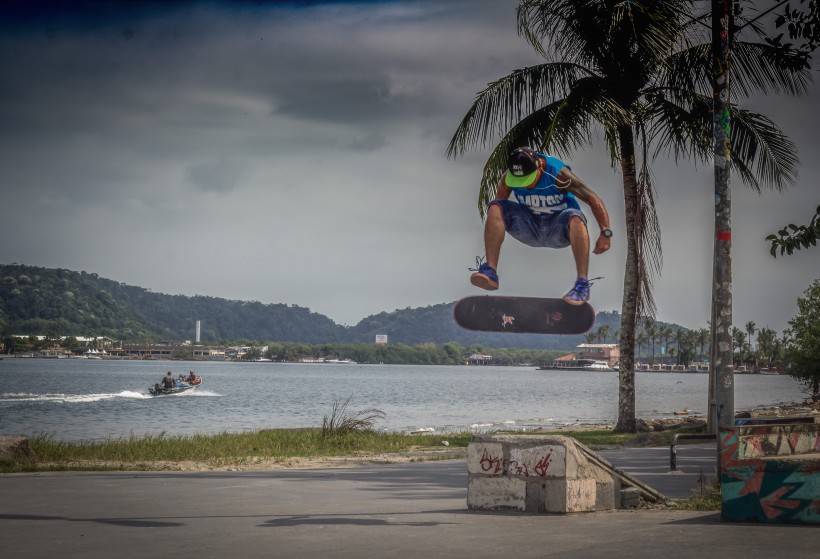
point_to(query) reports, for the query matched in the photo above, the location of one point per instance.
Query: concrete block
(607, 495)
(581, 495)
(630, 497)
(570, 495)
(536, 500)
(496, 493)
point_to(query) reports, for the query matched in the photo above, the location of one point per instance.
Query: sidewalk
(397, 510)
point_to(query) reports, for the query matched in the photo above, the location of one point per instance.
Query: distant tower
(197, 331)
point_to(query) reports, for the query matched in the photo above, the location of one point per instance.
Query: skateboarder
(543, 213)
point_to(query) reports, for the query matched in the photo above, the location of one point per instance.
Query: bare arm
(502, 191)
(581, 191)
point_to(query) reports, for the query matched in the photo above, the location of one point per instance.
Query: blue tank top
(545, 197)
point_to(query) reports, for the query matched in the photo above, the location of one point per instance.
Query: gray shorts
(545, 230)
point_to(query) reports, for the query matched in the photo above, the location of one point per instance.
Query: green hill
(36, 300)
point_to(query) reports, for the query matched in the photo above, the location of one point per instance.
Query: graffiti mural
(771, 474)
(539, 464)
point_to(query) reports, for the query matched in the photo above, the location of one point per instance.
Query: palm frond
(506, 101)
(757, 142)
(758, 68)
(688, 69)
(762, 154)
(674, 130)
(587, 31)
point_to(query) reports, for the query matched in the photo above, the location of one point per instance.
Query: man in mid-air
(544, 213)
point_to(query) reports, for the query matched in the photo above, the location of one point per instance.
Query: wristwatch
(606, 233)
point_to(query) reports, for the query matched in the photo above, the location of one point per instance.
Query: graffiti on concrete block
(497, 464)
(759, 441)
(771, 475)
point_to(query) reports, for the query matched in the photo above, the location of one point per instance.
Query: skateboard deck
(529, 315)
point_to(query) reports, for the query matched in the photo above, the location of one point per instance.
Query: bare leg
(494, 232)
(579, 240)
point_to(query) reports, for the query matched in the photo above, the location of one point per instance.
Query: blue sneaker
(579, 294)
(485, 275)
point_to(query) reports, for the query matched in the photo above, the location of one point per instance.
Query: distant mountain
(36, 300)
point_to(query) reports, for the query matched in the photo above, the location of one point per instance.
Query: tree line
(58, 302)
(753, 347)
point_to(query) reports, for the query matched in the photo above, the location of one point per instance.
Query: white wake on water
(89, 398)
(71, 398)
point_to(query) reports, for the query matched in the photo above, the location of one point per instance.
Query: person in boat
(168, 381)
(191, 377)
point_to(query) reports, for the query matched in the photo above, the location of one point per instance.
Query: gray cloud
(220, 176)
(252, 129)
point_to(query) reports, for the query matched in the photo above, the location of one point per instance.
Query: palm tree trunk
(632, 286)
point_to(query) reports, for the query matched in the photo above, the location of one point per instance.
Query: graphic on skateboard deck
(529, 315)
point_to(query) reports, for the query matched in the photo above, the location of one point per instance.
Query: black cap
(522, 165)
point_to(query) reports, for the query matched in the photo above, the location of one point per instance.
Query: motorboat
(180, 387)
(577, 365)
(598, 366)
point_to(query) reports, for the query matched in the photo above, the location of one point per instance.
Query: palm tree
(702, 336)
(739, 342)
(765, 344)
(664, 332)
(632, 69)
(640, 339)
(685, 340)
(651, 330)
(751, 328)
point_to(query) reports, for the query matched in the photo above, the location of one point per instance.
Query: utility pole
(721, 368)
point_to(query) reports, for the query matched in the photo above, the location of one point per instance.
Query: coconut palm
(702, 338)
(751, 328)
(640, 339)
(685, 341)
(765, 344)
(664, 333)
(651, 329)
(632, 70)
(739, 342)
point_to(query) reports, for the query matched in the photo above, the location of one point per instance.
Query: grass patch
(597, 438)
(341, 422)
(342, 435)
(221, 450)
(708, 497)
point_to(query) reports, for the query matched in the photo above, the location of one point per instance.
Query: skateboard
(530, 315)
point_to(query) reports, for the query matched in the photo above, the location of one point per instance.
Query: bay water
(85, 400)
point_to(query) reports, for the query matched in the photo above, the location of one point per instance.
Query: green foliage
(451, 353)
(803, 26)
(803, 340)
(793, 237)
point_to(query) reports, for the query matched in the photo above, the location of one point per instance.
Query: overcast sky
(295, 153)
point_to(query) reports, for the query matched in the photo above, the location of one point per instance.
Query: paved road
(399, 510)
(696, 467)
